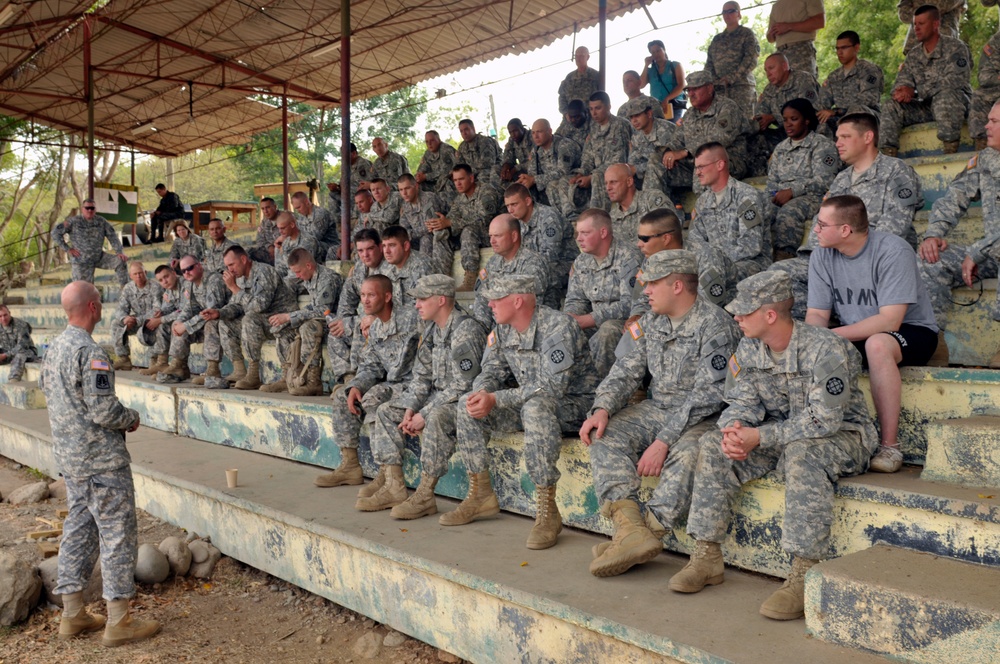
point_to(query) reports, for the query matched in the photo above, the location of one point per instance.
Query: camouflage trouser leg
(112, 262)
(895, 116)
(942, 276)
(254, 332)
(180, 346)
(559, 195)
(744, 96)
(798, 269)
(101, 520)
(671, 498)
(81, 271)
(681, 176)
(312, 332)
(223, 335)
(18, 361)
(603, 341)
(598, 193)
(982, 101)
(436, 247)
(119, 336)
(437, 441)
(387, 440)
(791, 220)
(160, 338)
(347, 426)
(261, 254)
(338, 350)
(470, 242)
(472, 435)
(801, 56)
(949, 109)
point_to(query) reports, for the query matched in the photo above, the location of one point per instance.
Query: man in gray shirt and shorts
(872, 282)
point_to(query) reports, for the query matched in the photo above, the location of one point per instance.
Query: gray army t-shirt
(883, 273)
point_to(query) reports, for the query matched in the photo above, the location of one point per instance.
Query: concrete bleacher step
(23, 395)
(906, 605)
(474, 591)
(964, 451)
(920, 140)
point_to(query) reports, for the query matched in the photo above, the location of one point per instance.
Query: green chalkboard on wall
(117, 202)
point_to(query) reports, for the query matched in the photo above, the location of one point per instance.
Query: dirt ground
(240, 615)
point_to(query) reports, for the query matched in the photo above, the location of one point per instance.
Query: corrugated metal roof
(149, 56)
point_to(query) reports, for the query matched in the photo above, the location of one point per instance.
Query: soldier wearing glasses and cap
(545, 353)
(87, 232)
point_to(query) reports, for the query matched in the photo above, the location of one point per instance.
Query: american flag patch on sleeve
(99, 365)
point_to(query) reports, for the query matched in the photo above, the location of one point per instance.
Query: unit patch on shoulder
(550, 232)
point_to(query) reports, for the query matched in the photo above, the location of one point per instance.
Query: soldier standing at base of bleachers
(795, 404)
(87, 232)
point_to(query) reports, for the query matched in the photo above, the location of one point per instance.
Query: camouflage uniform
(525, 262)
(211, 293)
(732, 58)
(308, 322)
(578, 86)
(517, 153)
(723, 121)
(384, 369)
(980, 180)
(447, 361)
(551, 167)
(796, 46)
(988, 91)
(213, 259)
(88, 442)
(550, 236)
(890, 189)
(807, 167)
(605, 146)
(436, 246)
(576, 134)
(626, 222)
(732, 239)
(389, 168)
(814, 427)
(324, 229)
(799, 85)
(262, 293)
(470, 217)
(342, 352)
(15, 341)
(603, 290)
(362, 170)
(482, 153)
(267, 233)
(551, 365)
(405, 278)
(140, 303)
(851, 88)
(654, 105)
(941, 81)
(193, 245)
(646, 155)
(304, 240)
(951, 16)
(688, 369)
(384, 215)
(437, 167)
(169, 305)
(88, 237)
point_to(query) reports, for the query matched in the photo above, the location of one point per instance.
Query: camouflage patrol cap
(762, 288)
(696, 79)
(504, 285)
(669, 261)
(636, 106)
(434, 284)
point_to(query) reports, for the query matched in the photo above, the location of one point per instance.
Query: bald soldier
(89, 424)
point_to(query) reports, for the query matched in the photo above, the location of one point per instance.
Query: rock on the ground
(394, 640)
(368, 645)
(199, 551)
(178, 555)
(191, 536)
(49, 571)
(57, 489)
(29, 493)
(204, 569)
(151, 566)
(448, 658)
(20, 588)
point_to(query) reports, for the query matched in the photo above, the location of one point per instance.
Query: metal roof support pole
(345, 130)
(284, 148)
(602, 17)
(88, 73)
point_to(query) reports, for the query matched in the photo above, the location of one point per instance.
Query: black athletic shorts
(917, 342)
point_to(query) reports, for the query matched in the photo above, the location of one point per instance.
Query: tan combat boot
(941, 356)
(369, 490)
(126, 629)
(980, 144)
(239, 371)
(789, 601)
(548, 521)
(75, 619)
(280, 385)
(469, 283)
(211, 372)
(157, 364)
(421, 503)
(124, 363)
(633, 542)
(704, 569)
(348, 472)
(890, 151)
(251, 381)
(178, 368)
(479, 502)
(392, 493)
(313, 386)
(949, 147)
